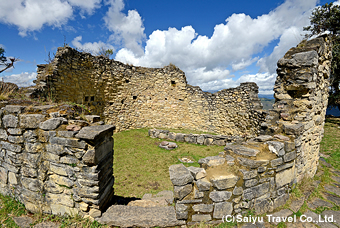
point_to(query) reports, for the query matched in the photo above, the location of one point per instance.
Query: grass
(330, 143)
(140, 166)
(6, 90)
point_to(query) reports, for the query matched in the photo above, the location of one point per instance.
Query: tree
(3, 60)
(326, 18)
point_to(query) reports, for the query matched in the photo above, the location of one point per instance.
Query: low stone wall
(202, 139)
(50, 169)
(255, 175)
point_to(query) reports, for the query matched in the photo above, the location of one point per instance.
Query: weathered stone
(238, 191)
(281, 200)
(61, 180)
(224, 182)
(284, 177)
(293, 129)
(200, 218)
(289, 156)
(212, 161)
(140, 217)
(203, 208)
(12, 179)
(30, 136)
(17, 109)
(11, 147)
(198, 173)
(284, 166)
(263, 206)
(289, 146)
(59, 199)
(180, 175)
(31, 121)
(182, 191)
(252, 164)
(95, 213)
(276, 147)
(248, 174)
(241, 150)
(32, 184)
(250, 183)
(198, 194)
(3, 134)
(68, 142)
(52, 123)
(95, 132)
(263, 138)
(222, 209)
(10, 121)
(256, 191)
(319, 203)
(276, 162)
(23, 222)
(203, 185)
(219, 196)
(181, 211)
(34, 147)
(68, 159)
(58, 209)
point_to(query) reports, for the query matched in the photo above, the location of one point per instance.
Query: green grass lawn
(140, 166)
(330, 144)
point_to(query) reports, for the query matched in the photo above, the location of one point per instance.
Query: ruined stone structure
(134, 97)
(50, 169)
(258, 174)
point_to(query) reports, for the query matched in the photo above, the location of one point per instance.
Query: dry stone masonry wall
(258, 174)
(134, 97)
(51, 169)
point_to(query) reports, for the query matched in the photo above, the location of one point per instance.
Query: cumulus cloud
(32, 15)
(94, 47)
(237, 43)
(128, 30)
(22, 80)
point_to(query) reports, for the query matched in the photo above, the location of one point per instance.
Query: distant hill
(267, 103)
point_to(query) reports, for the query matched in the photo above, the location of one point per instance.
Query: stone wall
(301, 93)
(135, 97)
(258, 174)
(54, 163)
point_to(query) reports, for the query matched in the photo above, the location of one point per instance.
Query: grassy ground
(330, 143)
(140, 166)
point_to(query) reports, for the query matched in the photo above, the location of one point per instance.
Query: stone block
(252, 164)
(250, 183)
(285, 177)
(62, 199)
(203, 208)
(95, 213)
(55, 149)
(32, 184)
(222, 209)
(241, 150)
(3, 134)
(238, 191)
(52, 123)
(11, 147)
(256, 191)
(280, 200)
(10, 121)
(203, 184)
(58, 209)
(179, 137)
(276, 162)
(61, 180)
(3, 175)
(289, 156)
(220, 196)
(263, 206)
(276, 147)
(14, 109)
(95, 132)
(198, 173)
(212, 161)
(31, 121)
(293, 129)
(224, 181)
(12, 179)
(248, 174)
(182, 191)
(201, 218)
(30, 136)
(34, 147)
(181, 211)
(180, 175)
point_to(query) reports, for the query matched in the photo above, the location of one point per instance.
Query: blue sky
(217, 43)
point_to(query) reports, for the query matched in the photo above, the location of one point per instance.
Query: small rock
(23, 222)
(73, 127)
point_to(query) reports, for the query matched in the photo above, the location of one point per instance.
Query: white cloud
(22, 80)
(32, 15)
(93, 48)
(234, 44)
(128, 30)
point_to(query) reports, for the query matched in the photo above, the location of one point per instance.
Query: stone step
(131, 216)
